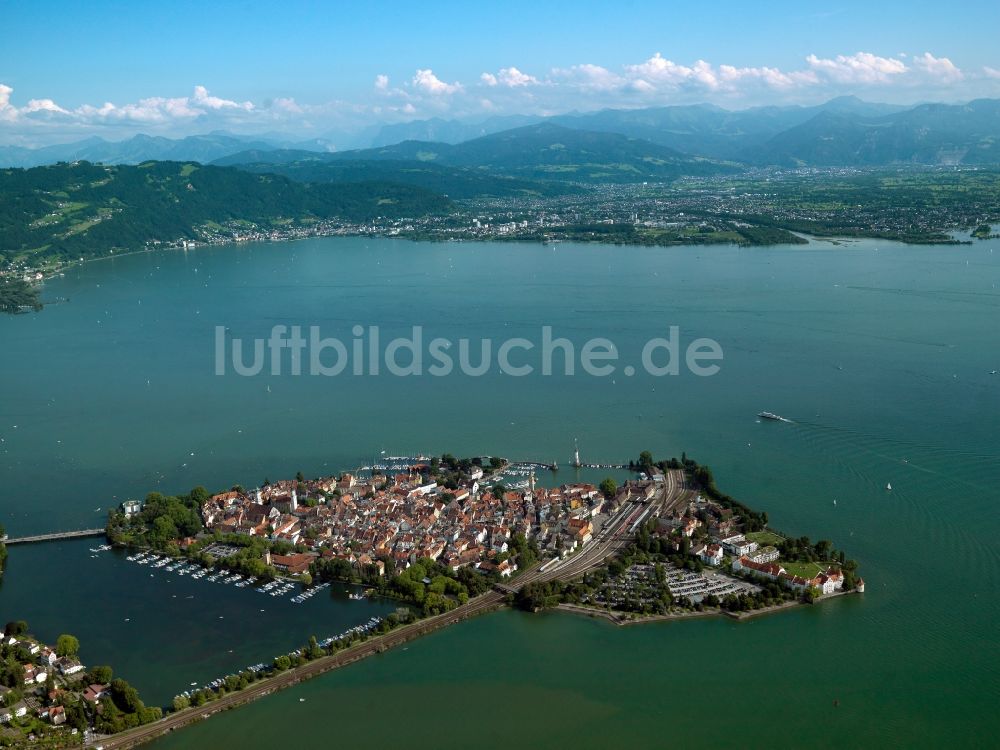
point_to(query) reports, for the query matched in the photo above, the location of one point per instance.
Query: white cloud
(659, 70)
(771, 77)
(287, 104)
(642, 86)
(7, 110)
(659, 73)
(202, 98)
(863, 67)
(510, 77)
(590, 77)
(43, 105)
(940, 68)
(655, 80)
(426, 81)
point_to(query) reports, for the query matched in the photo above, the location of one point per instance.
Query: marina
(280, 587)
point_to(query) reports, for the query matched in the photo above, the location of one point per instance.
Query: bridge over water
(55, 536)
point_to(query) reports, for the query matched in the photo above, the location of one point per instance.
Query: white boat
(889, 487)
(773, 417)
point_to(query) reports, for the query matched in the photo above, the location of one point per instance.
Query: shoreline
(196, 245)
(623, 619)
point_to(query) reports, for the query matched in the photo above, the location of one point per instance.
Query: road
(615, 535)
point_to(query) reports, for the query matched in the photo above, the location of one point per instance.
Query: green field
(803, 569)
(764, 538)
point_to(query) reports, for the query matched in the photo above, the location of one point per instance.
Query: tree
(16, 627)
(67, 645)
(125, 696)
(199, 495)
(313, 651)
(608, 487)
(163, 531)
(306, 579)
(282, 663)
(101, 675)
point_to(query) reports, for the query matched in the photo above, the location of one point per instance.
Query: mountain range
(140, 148)
(611, 145)
(454, 182)
(543, 152)
(845, 131)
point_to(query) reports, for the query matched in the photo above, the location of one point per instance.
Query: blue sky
(69, 69)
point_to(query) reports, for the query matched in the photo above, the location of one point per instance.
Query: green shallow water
(882, 356)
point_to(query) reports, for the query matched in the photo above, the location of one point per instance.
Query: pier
(54, 536)
(553, 466)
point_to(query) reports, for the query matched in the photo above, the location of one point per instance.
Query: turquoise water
(880, 353)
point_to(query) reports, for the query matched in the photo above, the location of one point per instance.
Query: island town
(445, 538)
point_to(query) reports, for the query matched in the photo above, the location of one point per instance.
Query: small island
(436, 532)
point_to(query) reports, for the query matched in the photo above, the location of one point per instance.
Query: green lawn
(764, 538)
(803, 569)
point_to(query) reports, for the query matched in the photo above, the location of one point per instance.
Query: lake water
(881, 354)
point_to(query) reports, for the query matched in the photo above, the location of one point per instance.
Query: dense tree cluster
(164, 520)
(17, 296)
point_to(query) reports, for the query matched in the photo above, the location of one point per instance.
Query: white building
(711, 555)
(764, 555)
